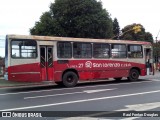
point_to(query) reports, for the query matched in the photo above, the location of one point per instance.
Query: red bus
(66, 61)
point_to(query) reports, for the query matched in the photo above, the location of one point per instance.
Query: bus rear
(6, 59)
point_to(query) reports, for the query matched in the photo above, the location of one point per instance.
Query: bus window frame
(126, 45)
(20, 55)
(91, 43)
(109, 54)
(141, 51)
(71, 50)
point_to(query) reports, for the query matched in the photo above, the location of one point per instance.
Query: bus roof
(52, 38)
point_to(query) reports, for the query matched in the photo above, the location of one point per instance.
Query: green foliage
(45, 26)
(75, 18)
(156, 49)
(148, 37)
(116, 29)
(130, 32)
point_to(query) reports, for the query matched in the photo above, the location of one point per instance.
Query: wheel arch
(137, 68)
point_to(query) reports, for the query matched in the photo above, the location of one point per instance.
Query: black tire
(70, 79)
(118, 78)
(133, 75)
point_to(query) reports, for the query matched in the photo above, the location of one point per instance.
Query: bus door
(149, 61)
(46, 63)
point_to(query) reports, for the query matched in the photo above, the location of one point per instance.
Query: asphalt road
(99, 99)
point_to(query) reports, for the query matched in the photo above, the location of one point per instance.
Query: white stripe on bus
(25, 73)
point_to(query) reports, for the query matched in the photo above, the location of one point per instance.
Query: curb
(31, 85)
(14, 86)
(11, 84)
(17, 85)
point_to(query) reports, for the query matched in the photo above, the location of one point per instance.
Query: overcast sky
(18, 16)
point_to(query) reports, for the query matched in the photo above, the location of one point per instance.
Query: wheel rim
(134, 75)
(70, 79)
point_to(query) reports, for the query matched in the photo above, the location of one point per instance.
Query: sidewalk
(5, 83)
(155, 76)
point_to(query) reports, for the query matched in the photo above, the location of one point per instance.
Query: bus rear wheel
(133, 75)
(70, 79)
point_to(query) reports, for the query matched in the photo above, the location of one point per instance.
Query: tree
(136, 32)
(148, 37)
(75, 18)
(116, 29)
(156, 51)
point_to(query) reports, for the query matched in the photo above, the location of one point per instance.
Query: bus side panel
(50, 74)
(110, 74)
(58, 76)
(78, 65)
(43, 74)
(97, 69)
(25, 73)
(143, 72)
(142, 68)
(85, 75)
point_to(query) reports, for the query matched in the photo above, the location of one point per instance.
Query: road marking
(100, 90)
(86, 91)
(135, 107)
(155, 80)
(52, 95)
(130, 118)
(79, 101)
(60, 89)
(141, 107)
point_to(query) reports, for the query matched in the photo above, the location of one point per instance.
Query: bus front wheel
(70, 79)
(133, 75)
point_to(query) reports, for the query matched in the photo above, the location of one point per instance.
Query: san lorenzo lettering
(97, 65)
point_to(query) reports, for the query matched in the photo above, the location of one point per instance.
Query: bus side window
(64, 50)
(135, 51)
(118, 51)
(22, 48)
(101, 50)
(82, 50)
